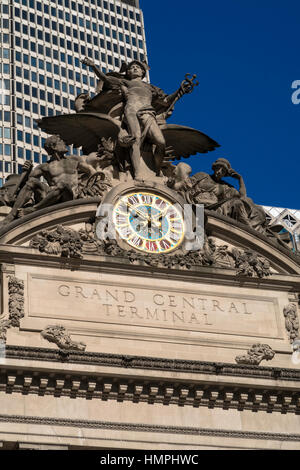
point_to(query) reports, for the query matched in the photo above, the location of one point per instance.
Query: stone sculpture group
(124, 137)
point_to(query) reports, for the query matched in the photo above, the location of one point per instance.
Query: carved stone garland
(68, 243)
(15, 306)
(291, 321)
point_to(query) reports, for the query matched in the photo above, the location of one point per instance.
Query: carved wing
(108, 102)
(82, 129)
(186, 141)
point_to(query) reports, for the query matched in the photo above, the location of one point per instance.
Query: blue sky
(246, 56)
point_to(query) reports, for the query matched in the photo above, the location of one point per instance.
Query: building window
(6, 133)
(7, 151)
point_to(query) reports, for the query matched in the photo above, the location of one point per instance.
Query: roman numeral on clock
(165, 245)
(136, 241)
(147, 199)
(151, 246)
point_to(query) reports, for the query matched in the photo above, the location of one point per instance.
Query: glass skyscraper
(42, 42)
(289, 219)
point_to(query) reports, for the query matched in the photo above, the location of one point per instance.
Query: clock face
(148, 222)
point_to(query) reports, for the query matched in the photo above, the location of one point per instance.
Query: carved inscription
(127, 304)
(162, 307)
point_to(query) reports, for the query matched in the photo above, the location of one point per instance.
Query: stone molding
(152, 363)
(135, 427)
(270, 397)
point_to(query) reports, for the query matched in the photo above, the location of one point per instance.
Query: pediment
(227, 235)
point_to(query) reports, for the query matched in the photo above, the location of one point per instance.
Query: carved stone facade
(142, 324)
(138, 333)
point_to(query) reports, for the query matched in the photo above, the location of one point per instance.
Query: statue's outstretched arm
(98, 72)
(186, 87)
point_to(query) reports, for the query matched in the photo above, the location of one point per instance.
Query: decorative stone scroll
(59, 335)
(257, 353)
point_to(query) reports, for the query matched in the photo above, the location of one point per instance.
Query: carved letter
(115, 297)
(134, 312)
(193, 318)
(78, 290)
(175, 315)
(95, 294)
(156, 301)
(203, 303)
(127, 295)
(189, 302)
(206, 319)
(153, 316)
(64, 291)
(121, 310)
(107, 308)
(172, 301)
(245, 309)
(216, 304)
(233, 307)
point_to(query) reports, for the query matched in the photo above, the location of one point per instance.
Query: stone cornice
(150, 363)
(140, 390)
(149, 380)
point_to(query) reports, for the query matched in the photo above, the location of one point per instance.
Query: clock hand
(138, 212)
(143, 215)
(162, 213)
